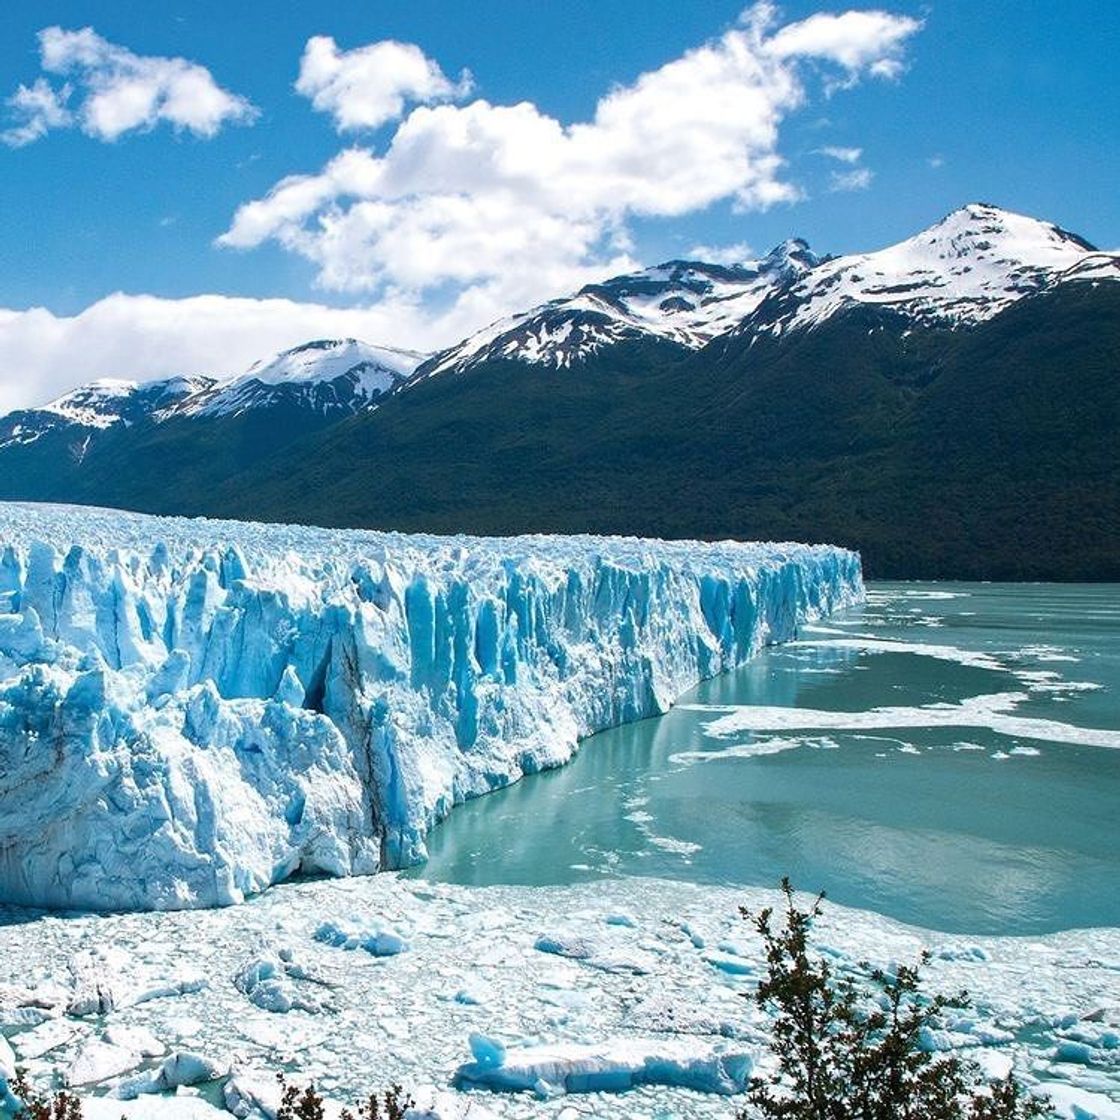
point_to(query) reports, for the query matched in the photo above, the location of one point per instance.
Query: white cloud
(368, 86)
(721, 254)
(39, 108)
(935, 162)
(844, 155)
(858, 179)
(480, 198)
(111, 91)
(140, 337)
(854, 40)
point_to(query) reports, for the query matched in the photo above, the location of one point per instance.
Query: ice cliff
(193, 710)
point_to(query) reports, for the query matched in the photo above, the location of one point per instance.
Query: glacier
(191, 710)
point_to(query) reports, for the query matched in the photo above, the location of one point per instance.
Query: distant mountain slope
(161, 445)
(948, 405)
(683, 303)
(992, 453)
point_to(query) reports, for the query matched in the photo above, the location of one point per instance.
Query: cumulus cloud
(369, 86)
(856, 41)
(471, 211)
(142, 337)
(478, 197)
(858, 179)
(108, 91)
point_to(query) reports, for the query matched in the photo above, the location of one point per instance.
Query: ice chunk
(377, 940)
(270, 982)
(610, 1067)
(43, 1039)
(564, 944)
(578, 948)
(98, 1061)
(730, 963)
(488, 1053)
(186, 1068)
(622, 918)
(96, 999)
(139, 1039)
(246, 1095)
(183, 1068)
(1072, 1103)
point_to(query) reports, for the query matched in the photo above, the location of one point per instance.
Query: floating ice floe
(995, 711)
(183, 1068)
(377, 940)
(271, 982)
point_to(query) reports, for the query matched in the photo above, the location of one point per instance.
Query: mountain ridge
(791, 396)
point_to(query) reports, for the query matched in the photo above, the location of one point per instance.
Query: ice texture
(193, 710)
(612, 1067)
(558, 1023)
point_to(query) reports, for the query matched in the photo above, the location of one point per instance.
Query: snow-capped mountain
(685, 302)
(966, 268)
(327, 375)
(794, 396)
(100, 406)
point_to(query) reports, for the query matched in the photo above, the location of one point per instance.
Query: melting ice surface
(946, 755)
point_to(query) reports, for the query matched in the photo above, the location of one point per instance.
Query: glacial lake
(947, 755)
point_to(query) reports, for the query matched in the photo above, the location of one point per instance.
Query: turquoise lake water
(948, 755)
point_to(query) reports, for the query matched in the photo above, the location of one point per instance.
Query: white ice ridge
(191, 711)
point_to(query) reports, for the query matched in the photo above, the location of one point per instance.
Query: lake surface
(948, 755)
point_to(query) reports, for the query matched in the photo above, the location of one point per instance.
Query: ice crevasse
(193, 710)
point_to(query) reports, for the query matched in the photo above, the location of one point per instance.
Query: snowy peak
(100, 405)
(966, 268)
(325, 378)
(683, 302)
(328, 375)
(328, 359)
(96, 405)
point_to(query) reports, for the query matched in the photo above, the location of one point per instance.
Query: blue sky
(1013, 103)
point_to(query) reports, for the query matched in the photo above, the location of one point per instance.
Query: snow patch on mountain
(683, 302)
(191, 711)
(326, 375)
(99, 406)
(968, 267)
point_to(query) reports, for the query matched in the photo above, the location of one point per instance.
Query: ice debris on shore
(568, 1034)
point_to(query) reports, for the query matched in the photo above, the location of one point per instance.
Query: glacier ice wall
(193, 710)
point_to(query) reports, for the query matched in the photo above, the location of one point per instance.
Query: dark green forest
(984, 453)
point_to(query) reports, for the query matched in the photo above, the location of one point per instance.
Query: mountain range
(949, 405)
